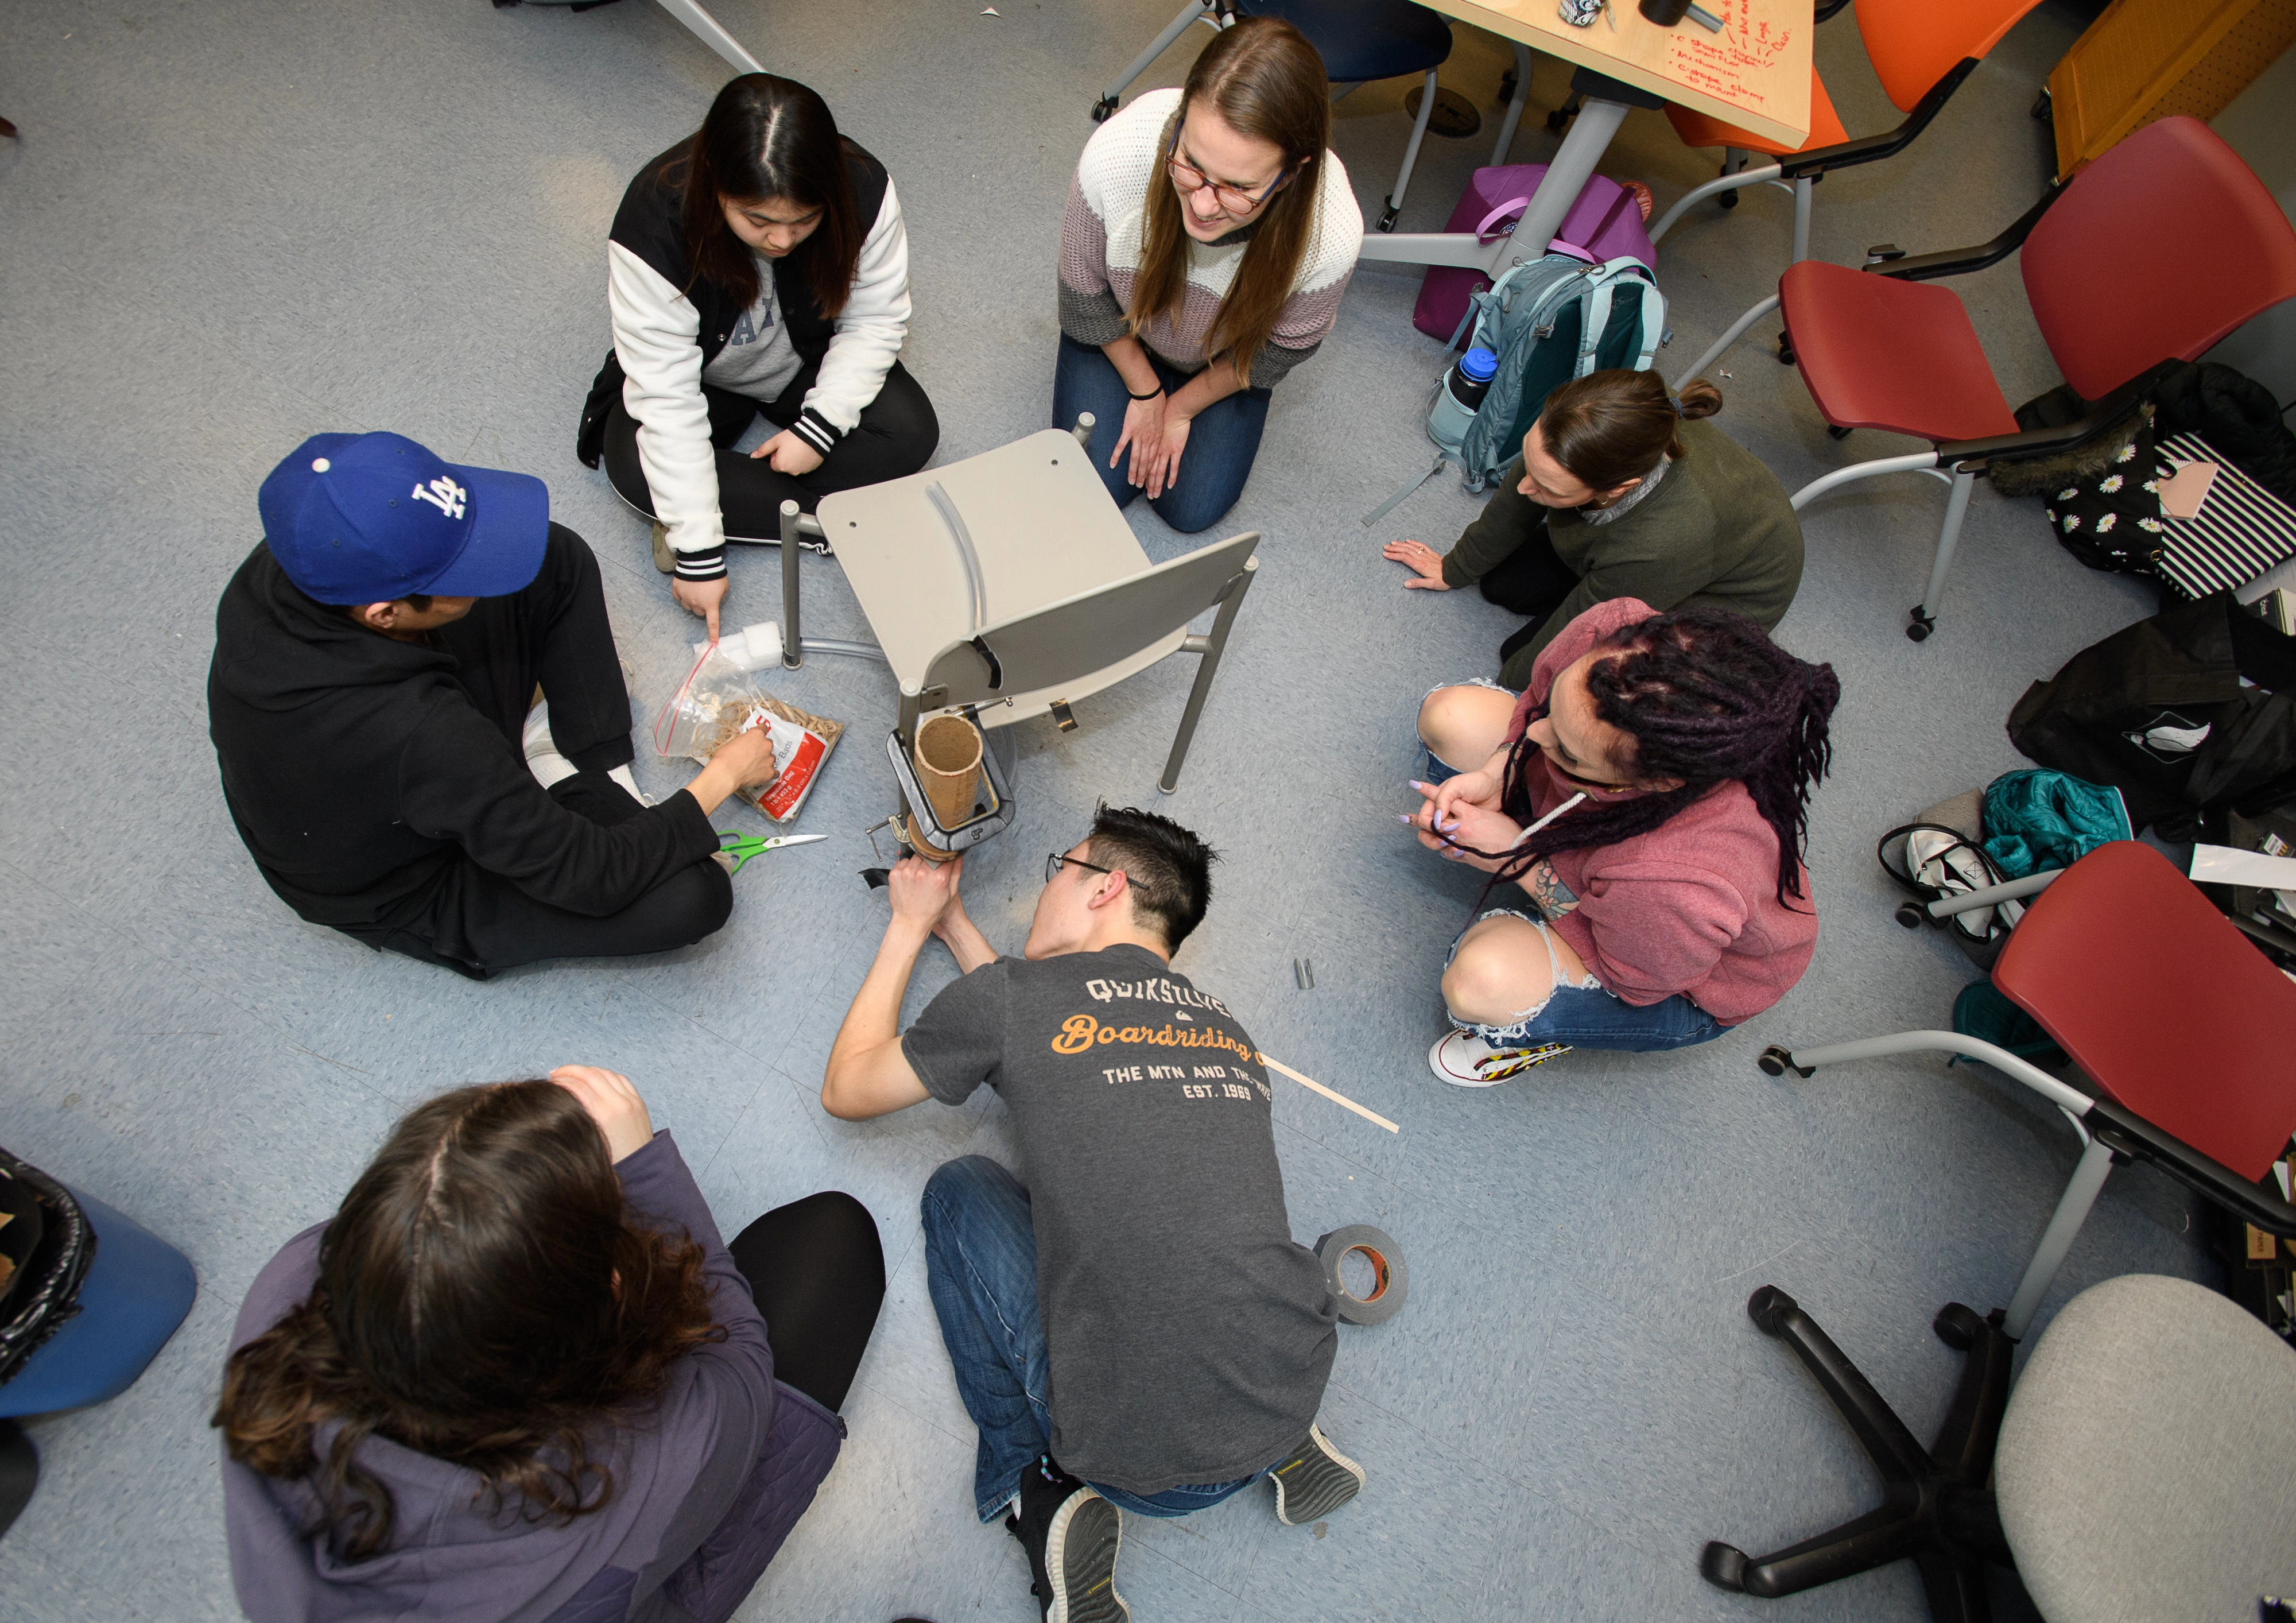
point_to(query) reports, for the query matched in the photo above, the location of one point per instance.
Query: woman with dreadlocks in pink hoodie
(1649, 794)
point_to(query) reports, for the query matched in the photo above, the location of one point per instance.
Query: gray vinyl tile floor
(228, 226)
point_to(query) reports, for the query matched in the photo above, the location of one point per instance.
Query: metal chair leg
(1737, 331)
(1924, 615)
(1507, 125)
(1209, 650)
(1410, 153)
(2086, 1185)
(1196, 10)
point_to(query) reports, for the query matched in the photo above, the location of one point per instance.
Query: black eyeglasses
(1232, 200)
(1053, 863)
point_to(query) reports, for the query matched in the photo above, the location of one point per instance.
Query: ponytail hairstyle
(1609, 427)
(769, 137)
(1263, 78)
(483, 1298)
(1702, 695)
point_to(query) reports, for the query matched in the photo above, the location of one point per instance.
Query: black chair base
(19, 1471)
(1936, 1510)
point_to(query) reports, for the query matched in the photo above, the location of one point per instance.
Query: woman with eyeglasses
(759, 266)
(1210, 236)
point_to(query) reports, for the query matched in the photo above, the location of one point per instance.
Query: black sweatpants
(896, 435)
(1530, 580)
(554, 633)
(817, 1271)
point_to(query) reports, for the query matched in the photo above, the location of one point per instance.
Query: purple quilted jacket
(705, 1490)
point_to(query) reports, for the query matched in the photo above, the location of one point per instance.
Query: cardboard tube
(948, 756)
(916, 843)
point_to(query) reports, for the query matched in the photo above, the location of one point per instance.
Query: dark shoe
(1315, 1481)
(1071, 1534)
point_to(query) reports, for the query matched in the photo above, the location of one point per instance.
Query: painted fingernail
(1413, 784)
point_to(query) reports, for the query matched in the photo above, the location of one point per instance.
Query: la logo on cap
(444, 494)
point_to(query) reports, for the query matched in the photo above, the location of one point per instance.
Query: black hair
(1167, 868)
(768, 137)
(1702, 695)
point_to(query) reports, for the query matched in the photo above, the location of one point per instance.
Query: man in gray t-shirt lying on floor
(1136, 1325)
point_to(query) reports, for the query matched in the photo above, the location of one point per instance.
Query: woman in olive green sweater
(1622, 491)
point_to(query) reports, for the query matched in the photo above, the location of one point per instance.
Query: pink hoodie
(1693, 906)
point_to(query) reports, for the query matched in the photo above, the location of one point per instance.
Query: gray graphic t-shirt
(758, 360)
(1189, 1335)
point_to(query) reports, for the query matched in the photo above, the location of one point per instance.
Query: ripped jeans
(1587, 1016)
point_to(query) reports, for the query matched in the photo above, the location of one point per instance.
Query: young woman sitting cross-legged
(1649, 793)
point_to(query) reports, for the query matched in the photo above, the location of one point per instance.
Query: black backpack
(2159, 710)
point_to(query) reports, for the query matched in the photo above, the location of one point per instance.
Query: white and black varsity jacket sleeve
(869, 330)
(657, 335)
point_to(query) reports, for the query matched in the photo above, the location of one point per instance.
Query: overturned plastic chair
(1008, 586)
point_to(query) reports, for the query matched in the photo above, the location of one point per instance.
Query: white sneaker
(542, 757)
(1465, 1060)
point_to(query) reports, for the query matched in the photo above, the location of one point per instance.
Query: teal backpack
(1549, 320)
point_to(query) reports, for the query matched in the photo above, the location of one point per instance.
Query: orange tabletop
(1755, 73)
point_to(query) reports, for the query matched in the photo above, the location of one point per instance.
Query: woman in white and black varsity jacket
(759, 266)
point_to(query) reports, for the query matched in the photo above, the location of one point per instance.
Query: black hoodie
(362, 778)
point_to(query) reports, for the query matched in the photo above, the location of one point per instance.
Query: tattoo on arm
(1555, 898)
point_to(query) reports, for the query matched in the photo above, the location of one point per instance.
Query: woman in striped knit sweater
(1210, 236)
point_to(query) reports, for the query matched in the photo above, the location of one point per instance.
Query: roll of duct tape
(1389, 1278)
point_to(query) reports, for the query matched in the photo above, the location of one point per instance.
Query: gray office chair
(2147, 1463)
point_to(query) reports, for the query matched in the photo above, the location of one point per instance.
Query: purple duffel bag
(1606, 222)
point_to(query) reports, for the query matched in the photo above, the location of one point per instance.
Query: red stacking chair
(2149, 256)
(1922, 50)
(2185, 1031)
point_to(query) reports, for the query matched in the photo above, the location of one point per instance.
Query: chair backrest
(1913, 43)
(2155, 252)
(1064, 643)
(2162, 1002)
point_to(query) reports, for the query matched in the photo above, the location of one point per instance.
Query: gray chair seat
(2147, 1463)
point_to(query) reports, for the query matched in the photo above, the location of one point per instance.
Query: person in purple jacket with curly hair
(519, 1379)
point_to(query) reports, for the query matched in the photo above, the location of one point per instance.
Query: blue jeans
(1589, 1016)
(980, 1266)
(1222, 441)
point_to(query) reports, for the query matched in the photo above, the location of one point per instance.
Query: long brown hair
(1265, 80)
(482, 1297)
(1609, 427)
(765, 137)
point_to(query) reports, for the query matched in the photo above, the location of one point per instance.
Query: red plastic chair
(1922, 50)
(2151, 255)
(2183, 1028)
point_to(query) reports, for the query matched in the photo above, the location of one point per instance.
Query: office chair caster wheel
(1785, 349)
(1836, 431)
(1956, 1326)
(1910, 914)
(1556, 119)
(1102, 108)
(1729, 200)
(1388, 216)
(2043, 107)
(1724, 1566)
(1767, 1307)
(1775, 1062)
(1921, 625)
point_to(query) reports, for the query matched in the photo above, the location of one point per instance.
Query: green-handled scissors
(740, 847)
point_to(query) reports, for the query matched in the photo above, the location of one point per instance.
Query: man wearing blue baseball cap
(375, 658)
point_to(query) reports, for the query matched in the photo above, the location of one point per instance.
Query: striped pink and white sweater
(1100, 250)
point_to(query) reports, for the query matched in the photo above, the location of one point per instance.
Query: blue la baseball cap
(368, 518)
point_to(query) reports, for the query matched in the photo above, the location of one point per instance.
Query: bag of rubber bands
(720, 699)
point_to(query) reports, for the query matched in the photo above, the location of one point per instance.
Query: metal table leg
(707, 30)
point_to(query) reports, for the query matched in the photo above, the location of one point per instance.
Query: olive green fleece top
(1717, 532)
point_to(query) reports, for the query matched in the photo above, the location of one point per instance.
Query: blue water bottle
(1461, 398)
